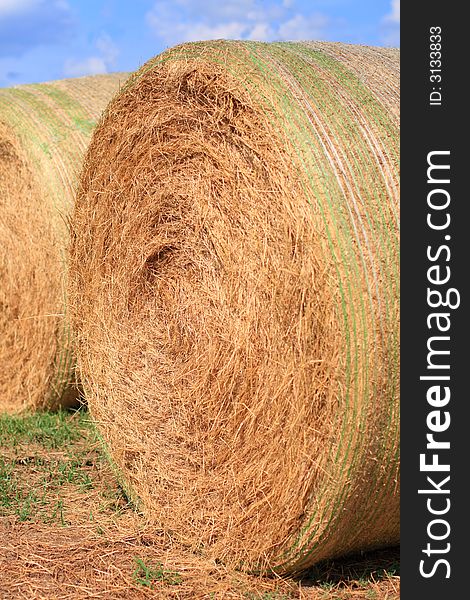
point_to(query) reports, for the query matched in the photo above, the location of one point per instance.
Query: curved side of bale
(44, 132)
(234, 292)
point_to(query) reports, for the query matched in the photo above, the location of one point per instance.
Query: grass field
(67, 531)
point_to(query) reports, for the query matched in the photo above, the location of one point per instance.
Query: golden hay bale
(44, 131)
(234, 291)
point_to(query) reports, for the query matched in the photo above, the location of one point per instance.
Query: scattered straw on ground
(97, 546)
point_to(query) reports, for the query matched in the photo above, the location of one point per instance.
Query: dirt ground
(67, 531)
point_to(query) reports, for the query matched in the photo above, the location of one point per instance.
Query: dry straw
(234, 291)
(44, 131)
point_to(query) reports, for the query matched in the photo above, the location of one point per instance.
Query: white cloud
(93, 65)
(10, 8)
(303, 28)
(98, 64)
(14, 7)
(394, 14)
(164, 22)
(190, 20)
(201, 31)
(261, 32)
(192, 32)
(230, 10)
(108, 49)
(391, 25)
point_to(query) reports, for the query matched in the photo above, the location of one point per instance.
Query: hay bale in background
(44, 131)
(234, 291)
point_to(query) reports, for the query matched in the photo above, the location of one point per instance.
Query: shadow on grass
(354, 571)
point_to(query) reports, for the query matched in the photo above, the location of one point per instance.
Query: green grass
(45, 456)
(147, 575)
(49, 430)
(7, 485)
(35, 497)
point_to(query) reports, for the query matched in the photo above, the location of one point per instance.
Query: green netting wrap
(44, 132)
(234, 293)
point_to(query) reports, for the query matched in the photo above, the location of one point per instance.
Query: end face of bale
(234, 293)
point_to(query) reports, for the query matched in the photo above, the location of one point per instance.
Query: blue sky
(42, 40)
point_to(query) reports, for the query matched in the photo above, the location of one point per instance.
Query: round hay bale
(44, 131)
(234, 291)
